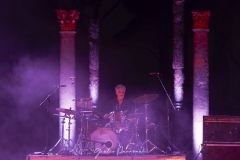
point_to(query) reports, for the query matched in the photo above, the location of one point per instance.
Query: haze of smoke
(23, 89)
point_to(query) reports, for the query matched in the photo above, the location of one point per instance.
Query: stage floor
(100, 157)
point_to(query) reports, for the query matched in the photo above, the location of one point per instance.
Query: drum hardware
(82, 135)
(135, 114)
(65, 116)
(82, 146)
(65, 143)
(145, 99)
(67, 111)
(118, 121)
(85, 104)
(134, 143)
(86, 113)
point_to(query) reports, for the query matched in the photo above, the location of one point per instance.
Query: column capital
(200, 19)
(68, 19)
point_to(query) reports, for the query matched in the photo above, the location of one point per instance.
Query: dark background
(135, 39)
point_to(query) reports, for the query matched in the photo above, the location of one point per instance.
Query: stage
(100, 157)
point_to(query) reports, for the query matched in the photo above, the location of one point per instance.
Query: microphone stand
(47, 124)
(168, 117)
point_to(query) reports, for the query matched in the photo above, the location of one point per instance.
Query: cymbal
(92, 118)
(135, 114)
(67, 111)
(87, 111)
(146, 98)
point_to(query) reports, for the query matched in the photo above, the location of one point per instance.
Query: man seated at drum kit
(117, 108)
(122, 127)
(120, 132)
(116, 114)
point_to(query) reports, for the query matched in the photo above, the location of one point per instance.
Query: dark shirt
(113, 105)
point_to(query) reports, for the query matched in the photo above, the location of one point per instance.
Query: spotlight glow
(94, 59)
(94, 92)
(178, 87)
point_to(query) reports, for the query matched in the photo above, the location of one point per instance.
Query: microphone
(154, 73)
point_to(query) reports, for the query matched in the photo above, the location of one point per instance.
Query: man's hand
(106, 116)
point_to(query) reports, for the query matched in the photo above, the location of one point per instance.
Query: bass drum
(104, 141)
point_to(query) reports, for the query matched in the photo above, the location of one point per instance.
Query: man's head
(120, 91)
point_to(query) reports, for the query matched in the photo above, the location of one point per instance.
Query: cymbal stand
(65, 149)
(87, 135)
(61, 139)
(68, 141)
(134, 141)
(79, 146)
(146, 131)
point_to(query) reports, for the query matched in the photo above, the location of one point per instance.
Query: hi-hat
(67, 111)
(92, 118)
(146, 98)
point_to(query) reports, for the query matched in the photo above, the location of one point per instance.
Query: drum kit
(110, 139)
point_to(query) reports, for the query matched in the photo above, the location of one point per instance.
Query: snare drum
(118, 121)
(117, 116)
(104, 141)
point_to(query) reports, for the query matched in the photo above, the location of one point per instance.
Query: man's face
(120, 93)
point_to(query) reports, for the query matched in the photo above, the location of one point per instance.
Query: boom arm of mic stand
(166, 92)
(49, 96)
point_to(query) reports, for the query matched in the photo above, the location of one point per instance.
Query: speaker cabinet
(221, 138)
(221, 152)
(221, 129)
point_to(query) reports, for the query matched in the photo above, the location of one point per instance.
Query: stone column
(178, 55)
(200, 76)
(67, 20)
(94, 59)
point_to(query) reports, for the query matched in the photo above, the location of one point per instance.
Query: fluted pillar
(200, 76)
(94, 59)
(67, 20)
(178, 55)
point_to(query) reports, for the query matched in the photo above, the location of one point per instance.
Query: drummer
(118, 103)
